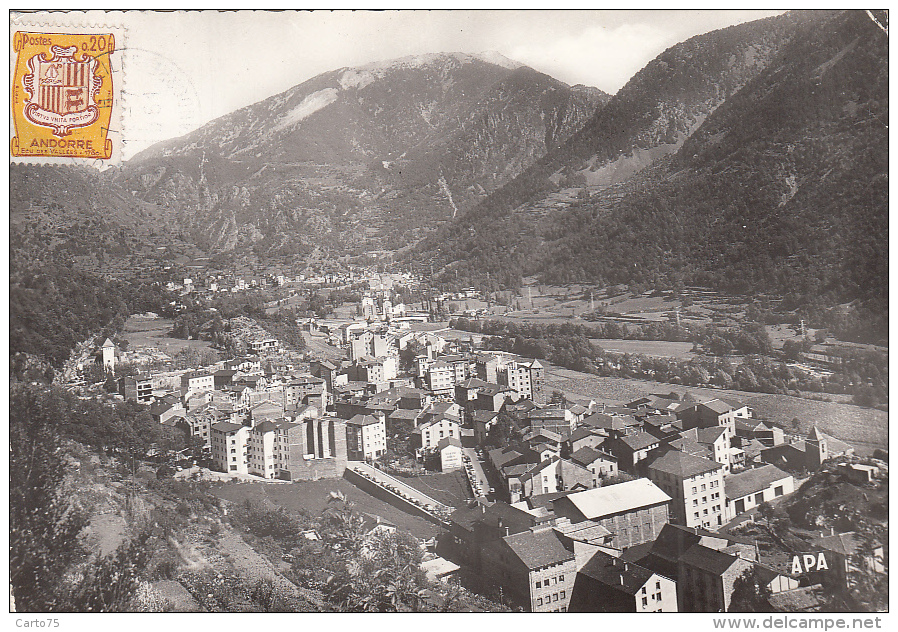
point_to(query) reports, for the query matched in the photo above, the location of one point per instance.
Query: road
(385, 480)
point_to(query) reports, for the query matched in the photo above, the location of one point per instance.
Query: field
(864, 428)
(651, 348)
(143, 332)
(450, 488)
(312, 496)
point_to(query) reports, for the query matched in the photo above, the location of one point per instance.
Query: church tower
(816, 450)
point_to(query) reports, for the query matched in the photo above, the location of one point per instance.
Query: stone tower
(108, 350)
(816, 450)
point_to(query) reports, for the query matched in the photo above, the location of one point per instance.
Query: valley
(426, 332)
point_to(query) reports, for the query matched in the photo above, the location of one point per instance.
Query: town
(649, 506)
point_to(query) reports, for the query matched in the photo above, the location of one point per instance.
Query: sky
(183, 70)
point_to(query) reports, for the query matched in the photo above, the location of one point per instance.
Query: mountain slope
(783, 188)
(360, 158)
(658, 108)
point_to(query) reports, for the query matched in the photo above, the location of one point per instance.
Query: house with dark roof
(631, 449)
(750, 488)
(696, 485)
(534, 568)
(715, 412)
(483, 421)
(480, 522)
(808, 454)
(599, 463)
(586, 436)
(841, 553)
(610, 584)
(752, 429)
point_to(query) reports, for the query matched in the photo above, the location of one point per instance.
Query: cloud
(598, 56)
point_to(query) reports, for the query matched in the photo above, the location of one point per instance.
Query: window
(539, 584)
(695, 502)
(778, 491)
(645, 602)
(704, 487)
(643, 590)
(539, 601)
(561, 578)
(562, 594)
(555, 597)
(695, 490)
(657, 585)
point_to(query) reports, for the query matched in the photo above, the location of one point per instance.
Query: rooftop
(362, 420)
(588, 455)
(226, 426)
(707, 559)
(751, 481)
(615, 573)
(639, 441)
(539, 549)
(682, 465)
(613, 499)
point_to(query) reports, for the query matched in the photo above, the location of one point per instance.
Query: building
(136, 388)
(450, 454)
(305, 389)
(366, 437)
(809, 454)
(746, 490)
(264, 345)
(600, 464)
(483, 421)
(515, 376)
(631, 449)
(559, 420)
(768, 435)
(534, 567)
(696, 486)
(440, 377)
(197, 382)
(108, 355)
(841, 552)
(712, 443)
(229, 447)
(610, 584)
(715, 412)
(634, 511)
(429, 433)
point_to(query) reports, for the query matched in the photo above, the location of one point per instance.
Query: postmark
(62, 94)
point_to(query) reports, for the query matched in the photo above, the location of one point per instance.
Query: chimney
(507, 531)
(621, 579)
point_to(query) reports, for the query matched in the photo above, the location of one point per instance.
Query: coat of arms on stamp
(62, 95)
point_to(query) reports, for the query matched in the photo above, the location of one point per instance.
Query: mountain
(73, 215)
(360, 159)
(781, 186)
(657, 109)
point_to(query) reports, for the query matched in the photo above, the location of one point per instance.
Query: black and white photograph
(449, 311)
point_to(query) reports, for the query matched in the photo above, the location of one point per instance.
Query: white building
(366, 437)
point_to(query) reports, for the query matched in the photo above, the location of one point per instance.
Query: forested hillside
(783, 188)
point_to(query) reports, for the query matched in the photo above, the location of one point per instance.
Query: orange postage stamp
(62, 95)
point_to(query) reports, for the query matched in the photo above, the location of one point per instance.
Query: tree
(766, 512)
(43, 528)
(750, 593)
